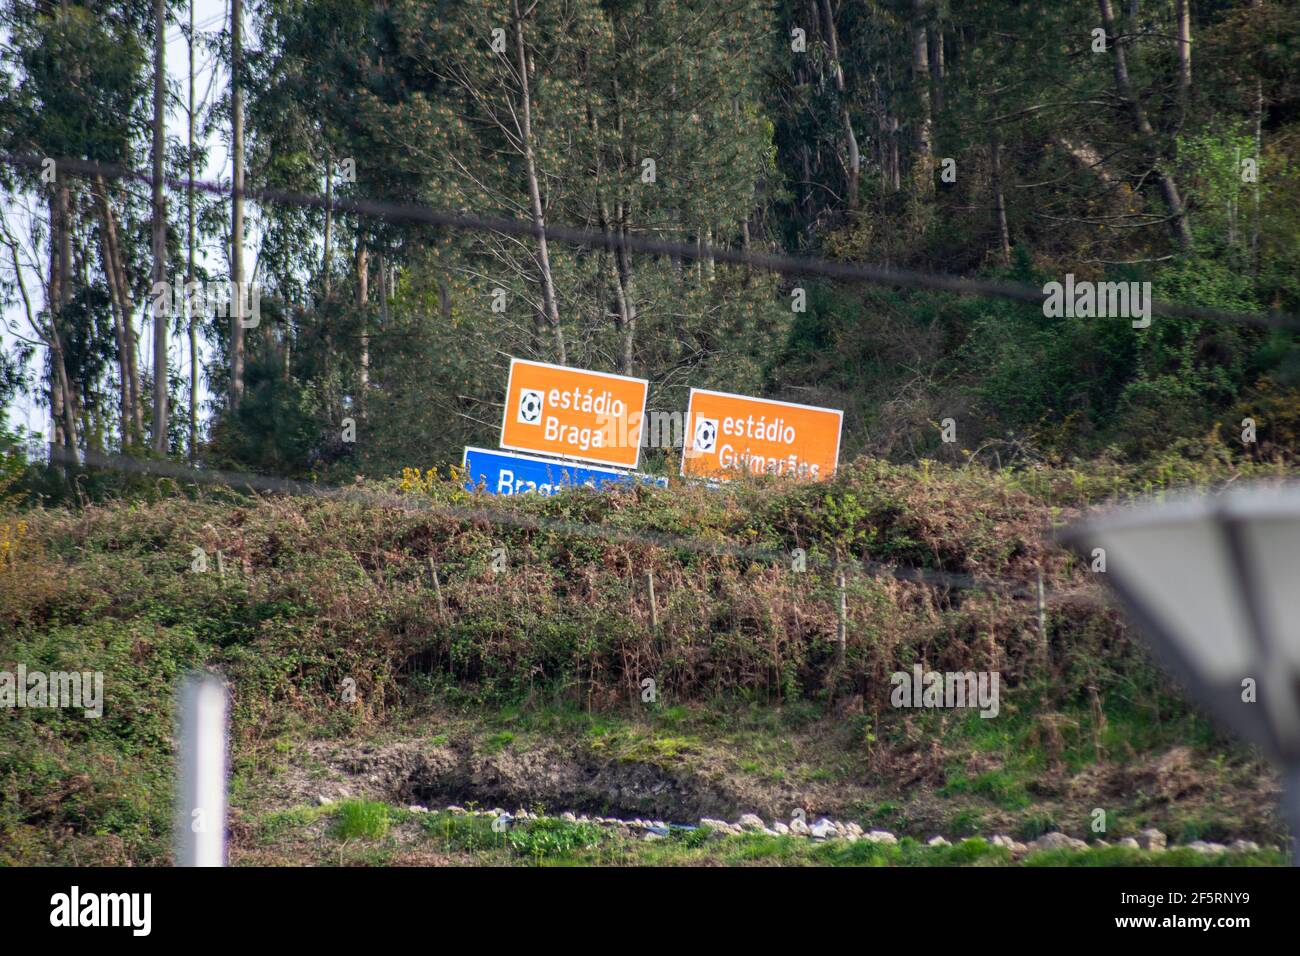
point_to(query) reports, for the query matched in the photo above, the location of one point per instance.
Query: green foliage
(362, 820)
(548, 838)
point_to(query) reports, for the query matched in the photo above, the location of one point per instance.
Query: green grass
(638, 743)
(1177, 857)
(1000, 786)
(552, 839)
(362, 820)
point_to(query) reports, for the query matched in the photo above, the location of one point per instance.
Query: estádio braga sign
(732, 434)
(574, 413)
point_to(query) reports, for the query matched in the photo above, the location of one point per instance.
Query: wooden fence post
(654, 607)
(842, 632)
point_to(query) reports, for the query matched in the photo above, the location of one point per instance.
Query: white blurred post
(200, 827)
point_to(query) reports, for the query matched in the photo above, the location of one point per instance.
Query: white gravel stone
(1057, 841)
(1152, 839)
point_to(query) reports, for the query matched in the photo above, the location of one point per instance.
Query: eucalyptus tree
(78, 94)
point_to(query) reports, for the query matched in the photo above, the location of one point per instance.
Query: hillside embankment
(413, 643)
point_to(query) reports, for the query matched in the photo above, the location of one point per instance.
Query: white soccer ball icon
(706, 434)
(530, 406)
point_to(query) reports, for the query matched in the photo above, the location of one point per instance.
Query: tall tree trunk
(999, 200)
(853, 161)
(58, 433)
(808, 199)
(744, 246)
(620, 258)
(936, 66)
(132, 336)
(189, 255)
(329, 223)
(534, 191)
(120, 316)
(626, 294)
(627, 302)
(71, 396)
(63, 403)
(1182, 10)
(895, 162)
(1168, 187)
(363, 306)
(1259, 147)
(161, 323)
(923, 168)
(57, 384)
(237, 204)
(120, 287)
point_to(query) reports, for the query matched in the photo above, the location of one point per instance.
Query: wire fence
(524, 521)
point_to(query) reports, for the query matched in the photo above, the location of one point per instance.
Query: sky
(210, 82)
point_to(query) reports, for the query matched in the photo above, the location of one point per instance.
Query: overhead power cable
(785, 264)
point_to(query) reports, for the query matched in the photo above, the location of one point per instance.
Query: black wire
(787, 265)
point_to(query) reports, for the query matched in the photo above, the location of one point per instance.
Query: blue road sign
(509, 473)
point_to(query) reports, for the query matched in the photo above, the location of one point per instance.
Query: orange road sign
(727, 435)
(574, 413)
